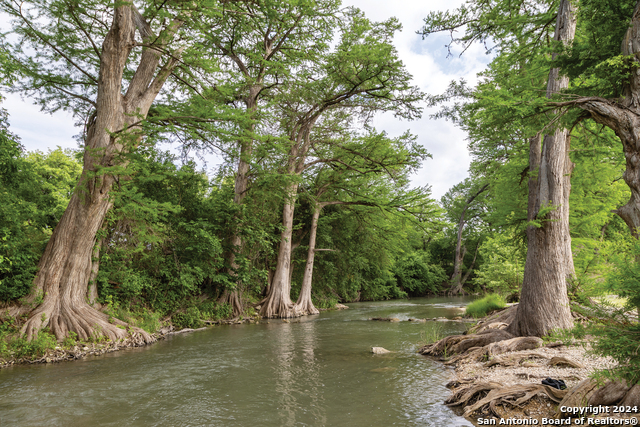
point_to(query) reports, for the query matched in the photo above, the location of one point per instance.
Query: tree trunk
(456, 286)
(234, 297)
(92, 292)
(544, 304)
(65, 268)
(304, 305)
(278, 300)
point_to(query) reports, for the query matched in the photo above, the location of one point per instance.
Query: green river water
(314, 371)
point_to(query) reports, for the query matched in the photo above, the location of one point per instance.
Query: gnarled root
(305, 308)
(456, 344)
(82, 319)
(516, 396)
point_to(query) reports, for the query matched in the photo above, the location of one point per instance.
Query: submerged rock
(379, 350)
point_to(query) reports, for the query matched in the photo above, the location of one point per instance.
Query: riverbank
(493, 386)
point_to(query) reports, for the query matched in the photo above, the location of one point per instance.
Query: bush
(417, 277)
(482, 307)
(190, 318)
(502, 268)
(619, 338)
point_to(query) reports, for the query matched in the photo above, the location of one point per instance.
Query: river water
(313, 371)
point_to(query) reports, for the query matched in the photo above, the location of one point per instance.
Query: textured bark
(544, 304)
(304, 305)
(234, 297)
(92, 291)
(65, 267)
(278, 300)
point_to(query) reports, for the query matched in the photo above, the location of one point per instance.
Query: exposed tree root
(305, 307)
(515, 359)
(504, 317)
(82, 319)
(456, 344)
(278, 308)
(563, 361)
(516, 396)
(234, 300)
(471, 394)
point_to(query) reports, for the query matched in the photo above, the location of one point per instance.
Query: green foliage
(617, 336)
(34, 191)
(12, 345)
(502, 267)
(190, 318)
(417, 277)
(213, 310)
(484, 306)
(434, 332)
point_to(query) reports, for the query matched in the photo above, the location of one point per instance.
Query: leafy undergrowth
(14, 346)
(484, 306)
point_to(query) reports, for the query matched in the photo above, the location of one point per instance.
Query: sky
(427, 60)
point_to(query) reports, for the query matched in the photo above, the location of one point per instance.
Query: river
(313, 371)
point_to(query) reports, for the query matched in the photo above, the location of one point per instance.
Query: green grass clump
(482, 307)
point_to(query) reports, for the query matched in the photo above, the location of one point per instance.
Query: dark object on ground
(559, 384)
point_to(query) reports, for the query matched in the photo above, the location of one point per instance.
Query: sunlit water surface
(314, 371)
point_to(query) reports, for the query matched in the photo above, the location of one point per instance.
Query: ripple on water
(318, 372)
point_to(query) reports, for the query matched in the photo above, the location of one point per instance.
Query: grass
(433, 333)
(484, 306)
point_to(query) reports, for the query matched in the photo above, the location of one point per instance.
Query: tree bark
(304, 305)
(234, 297)
(544, 304)
(92, 291)
(65, 268)
(278, 300)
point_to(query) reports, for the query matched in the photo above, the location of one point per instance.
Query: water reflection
(316, 371)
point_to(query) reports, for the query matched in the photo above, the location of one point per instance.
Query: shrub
(190, 318)
(482, 307)
(502, 268)
(619, 337)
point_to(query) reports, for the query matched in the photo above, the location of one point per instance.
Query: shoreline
(506, 388)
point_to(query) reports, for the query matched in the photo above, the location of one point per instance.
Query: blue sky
(426, 60)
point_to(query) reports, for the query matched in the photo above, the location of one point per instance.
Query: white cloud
(432, 71)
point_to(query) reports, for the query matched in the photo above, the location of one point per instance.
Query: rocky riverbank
(497, 380)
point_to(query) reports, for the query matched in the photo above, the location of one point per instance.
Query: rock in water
(379, 350)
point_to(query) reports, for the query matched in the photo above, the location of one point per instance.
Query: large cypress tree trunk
(544, 304)
(278, 302)
(234, 297)
(304, 305)
(66, 267)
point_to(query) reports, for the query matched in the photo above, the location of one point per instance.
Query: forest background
(312, 203)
